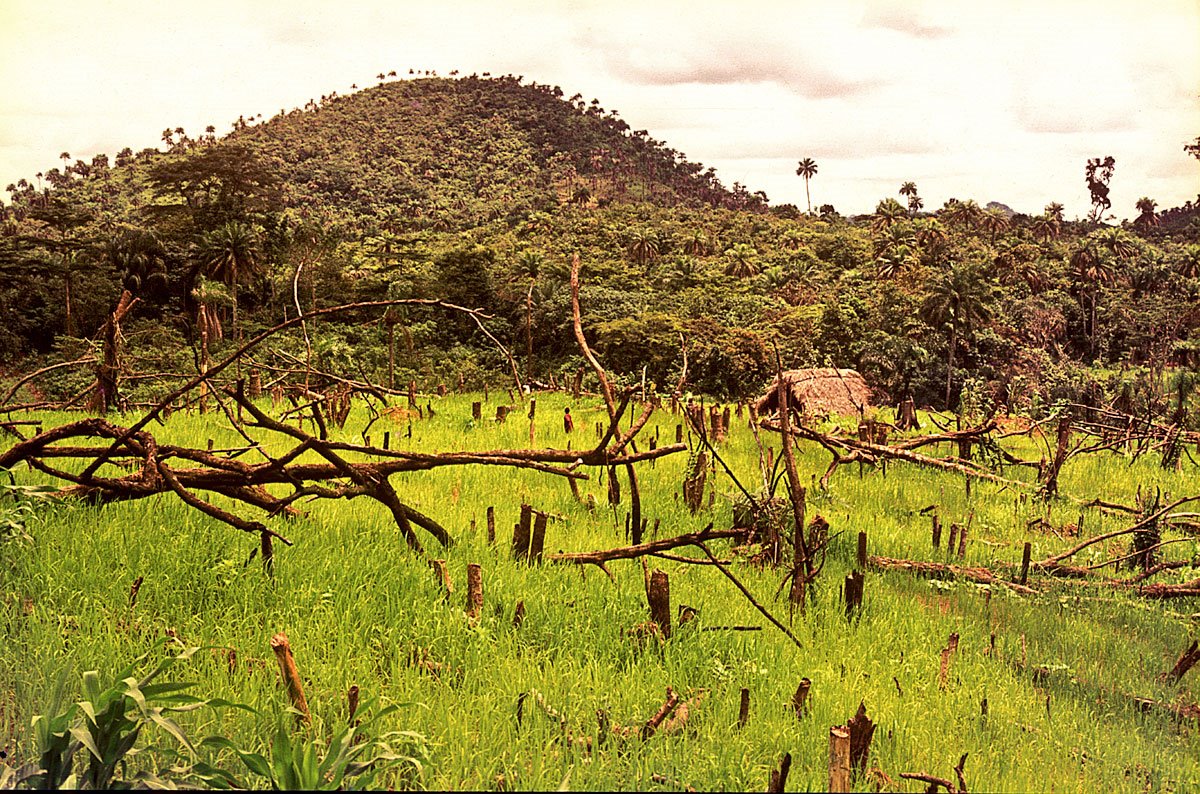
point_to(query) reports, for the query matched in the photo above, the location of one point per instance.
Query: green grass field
(361, 609)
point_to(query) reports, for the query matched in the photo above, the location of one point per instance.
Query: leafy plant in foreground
(352, 760)
(19, 503)
(107, 723)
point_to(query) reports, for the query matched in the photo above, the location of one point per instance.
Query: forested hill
(455, 153)
(479, 189)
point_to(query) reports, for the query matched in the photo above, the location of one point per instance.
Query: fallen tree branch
(944, 570)
(645, 549)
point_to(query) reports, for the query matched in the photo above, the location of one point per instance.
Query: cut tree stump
(658, 593)
(839, 759)
(474, 590)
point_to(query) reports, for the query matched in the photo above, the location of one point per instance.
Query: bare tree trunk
(529, 333)
(950, 363)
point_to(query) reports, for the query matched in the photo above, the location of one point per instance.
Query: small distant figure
(568, 422)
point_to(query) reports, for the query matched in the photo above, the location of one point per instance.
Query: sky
(994, 101)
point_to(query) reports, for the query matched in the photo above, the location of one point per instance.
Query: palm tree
(791, 239)
(741, 261)
(685, 271)
(958, 300)
(1119, 244)
(529, 264)
(1147, 217)
(807, 169)
(643, 246)
(1189, 263)
(697, 243)
(1054, 210)
(930, 233)
(965, 213)
(1045, 227)
(893, 261)
(1091, 268)
(892, 237)
(774, 279)
(230, 254)
(909, 191)
(1017, 262)
(140, 258)
(994, 221)
(887, 212)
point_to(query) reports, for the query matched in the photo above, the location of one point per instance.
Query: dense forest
(478, 190)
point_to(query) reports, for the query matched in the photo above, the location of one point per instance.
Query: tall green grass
(360, 609)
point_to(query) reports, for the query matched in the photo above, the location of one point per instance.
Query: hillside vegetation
(477, 190)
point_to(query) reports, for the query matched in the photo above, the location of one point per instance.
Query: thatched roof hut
(824, 390)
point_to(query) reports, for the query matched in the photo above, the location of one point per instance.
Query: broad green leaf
(85, 738)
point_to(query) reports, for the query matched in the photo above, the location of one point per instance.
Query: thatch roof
(824, 390)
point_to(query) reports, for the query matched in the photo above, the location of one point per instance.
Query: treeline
(478, 191)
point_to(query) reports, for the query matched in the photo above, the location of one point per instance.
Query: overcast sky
(995, 101)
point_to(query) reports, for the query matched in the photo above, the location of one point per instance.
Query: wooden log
(778, 781)
(953, 538)
(1025, 562)
(522, 534)
(658, 593)
(1186, 662)
(519, 615)
(744, 708)
(962, 542)
(800, 699)
(477, 411)
(134, 589)
(947, 655)
(862, 729)
(853, 592)
(491, 525)
(839, 759)
(442, 574)
(291, 676)
(862, 550)
(937, 531)
(352, 703)
(267, 552)
(474, 590)
(539, 538)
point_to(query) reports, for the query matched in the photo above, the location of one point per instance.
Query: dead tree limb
(32, 375)
(645, 549)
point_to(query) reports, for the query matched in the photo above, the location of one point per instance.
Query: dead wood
(850, 450)
(933, 782)
(291, 676)
(32, 375)
(1147, 521)
(749, 597)
(862, 730)
(1187, 660)
(946, 571)
(643, 549)
(778, 780)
